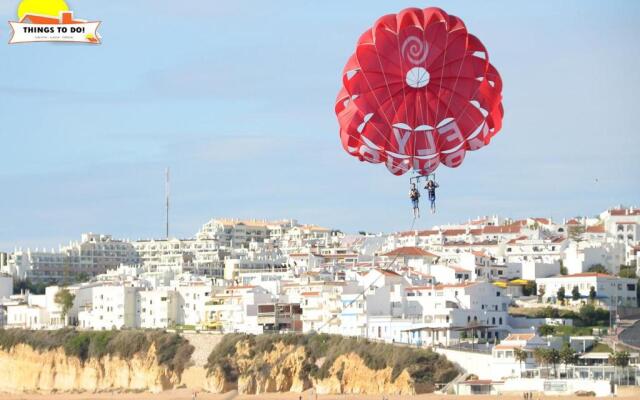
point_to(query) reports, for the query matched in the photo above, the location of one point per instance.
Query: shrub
(172, 350)
(599, 268)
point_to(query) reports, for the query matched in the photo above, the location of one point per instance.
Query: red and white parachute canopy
(418, 91)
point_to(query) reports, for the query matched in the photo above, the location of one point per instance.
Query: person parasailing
(431, 187)
(414, 195)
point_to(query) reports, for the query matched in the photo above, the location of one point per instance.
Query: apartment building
(113, 306)
(610, 291)
(441, 313)
(92, 255)
(157, 308)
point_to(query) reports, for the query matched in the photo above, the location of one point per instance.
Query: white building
(113, 306)
(157, 308)
(580, 256)
(439, 311)
(193, 294)
(93, 255)
(610, 290)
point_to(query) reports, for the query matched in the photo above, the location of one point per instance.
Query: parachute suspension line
(363, 293)
(404, 95)
(379, 107)
(444, 59)
(420, 107)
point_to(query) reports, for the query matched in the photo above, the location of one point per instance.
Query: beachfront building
(441, 313)
(113, 306)
(235, 309)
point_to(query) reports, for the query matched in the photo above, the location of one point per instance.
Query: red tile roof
(502, 229)
(595, 229)
(387, 272)
(624, 211)
(454, 232)
(409, 252)
(458, 269)
(310, 294)
(441, 286)
(586, 275)
(519, 336)
(507, 346)
(516, 240)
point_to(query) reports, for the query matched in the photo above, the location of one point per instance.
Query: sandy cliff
(286, 369)
(24, 370)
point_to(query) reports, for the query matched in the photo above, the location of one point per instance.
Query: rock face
(24, 370)
(349, 375)
(281, 370)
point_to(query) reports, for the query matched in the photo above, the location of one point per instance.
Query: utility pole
(166, 190)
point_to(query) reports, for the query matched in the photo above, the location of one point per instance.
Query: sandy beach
(185, 394)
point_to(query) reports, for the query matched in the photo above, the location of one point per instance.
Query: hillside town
(505, 299)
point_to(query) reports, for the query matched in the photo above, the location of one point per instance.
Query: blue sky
(237, 98)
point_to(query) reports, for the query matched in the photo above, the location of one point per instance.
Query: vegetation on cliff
(172, 350)
(424, 366)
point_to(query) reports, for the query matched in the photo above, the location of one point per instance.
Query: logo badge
(51, 21)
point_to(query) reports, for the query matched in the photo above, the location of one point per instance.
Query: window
(498, 294)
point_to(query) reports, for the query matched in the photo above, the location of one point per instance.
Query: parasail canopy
(418, 91)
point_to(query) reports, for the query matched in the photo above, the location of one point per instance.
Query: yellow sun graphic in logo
(49, 8)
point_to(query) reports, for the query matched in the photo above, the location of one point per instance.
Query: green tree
(82, 277)
(563, 269)
(592, 294)
(575, 293)
(598, 268)
(64, 298)
(575, 233)
(590, 315)
(627, 271)
(561, 294)
(541, 293)
(529, 289)
(26, 284)
(546, 330)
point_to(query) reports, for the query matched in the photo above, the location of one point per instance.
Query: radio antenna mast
(166, 190)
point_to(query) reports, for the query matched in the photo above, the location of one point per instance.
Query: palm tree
(539, 355)
(620, 359)
(553, 357)
(568, 356)
(520, 356)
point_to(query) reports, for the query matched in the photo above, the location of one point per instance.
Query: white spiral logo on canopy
(415, 50)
